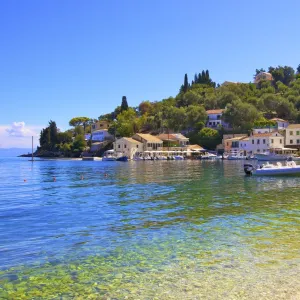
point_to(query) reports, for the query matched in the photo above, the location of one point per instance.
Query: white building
(214, 118)
(237, 145)
(264, 130)
(150, 142)
(100, 135)
(174, 138)
(263, 142)
(281, 124)
(128, 146)
(292, 136)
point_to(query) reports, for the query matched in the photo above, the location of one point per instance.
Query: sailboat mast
(32, 148)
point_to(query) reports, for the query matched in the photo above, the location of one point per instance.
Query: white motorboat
(291, 168)
(109, 155)
(208, 155)
(277, 154)
(236, 157)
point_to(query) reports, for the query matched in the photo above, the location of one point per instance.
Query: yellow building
(150, 142)
(128, 146)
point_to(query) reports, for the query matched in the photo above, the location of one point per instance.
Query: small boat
(208, 155)
(178, 157)
(122, 158)
(291, 168)
(87, 158)
(237, 156)
(109, 156)
(277, 154)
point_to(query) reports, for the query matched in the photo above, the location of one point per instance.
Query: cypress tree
(185, 84)
(196, 78)
(203, 75)
(207, 76)
(199, 78)
(124, 105)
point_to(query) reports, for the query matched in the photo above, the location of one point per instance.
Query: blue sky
(62, 59)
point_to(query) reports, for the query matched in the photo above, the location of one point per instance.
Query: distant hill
(13, 152)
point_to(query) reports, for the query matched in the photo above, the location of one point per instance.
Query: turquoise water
(147, 230)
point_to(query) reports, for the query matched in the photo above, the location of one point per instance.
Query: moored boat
(277, 154)
(109, 156)
(291, 168)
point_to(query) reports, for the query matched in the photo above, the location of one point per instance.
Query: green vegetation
(245, 104)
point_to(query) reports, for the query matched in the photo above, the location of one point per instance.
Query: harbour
(165, 229)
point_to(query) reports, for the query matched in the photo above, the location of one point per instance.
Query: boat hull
(277, 172)
(122, 158)
(109, 159)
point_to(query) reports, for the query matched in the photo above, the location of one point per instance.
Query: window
(148, 145)
(137, 146)
(253, 142)
(258, 141)
(280, 141)
(209, 123)
(298, 132)
(119, 146)
(125, 146)
(264, 141)
(291, 141)
(291, 132)
(298, 141)
(272, 141)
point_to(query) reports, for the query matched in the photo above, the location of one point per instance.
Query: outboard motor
(248, 169)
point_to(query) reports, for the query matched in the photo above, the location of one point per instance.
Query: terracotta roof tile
(291, 126)
(266, 134)
(214, 111)
(149, 137)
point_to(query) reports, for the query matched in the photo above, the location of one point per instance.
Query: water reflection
(181, 217)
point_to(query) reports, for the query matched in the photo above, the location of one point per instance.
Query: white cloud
(18, 129)
(18, 134)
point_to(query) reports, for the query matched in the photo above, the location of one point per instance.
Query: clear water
(147, 230)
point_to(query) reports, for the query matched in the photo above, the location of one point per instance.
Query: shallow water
(147, 230)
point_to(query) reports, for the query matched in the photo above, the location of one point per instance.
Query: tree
(226, 98)
(208, 138)
(298, 69)
(124, 105)
(241, 115)
(145, 107)
(127, 123)
(286, 109)
(49, 137)
(264, 123)
(79, 143)
(53, 131)
(79, 121)
(196, 117)
(185, 85)
(270, 102)
(64, 137)
(284, 74)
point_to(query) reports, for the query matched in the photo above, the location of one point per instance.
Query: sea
(72, 229)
